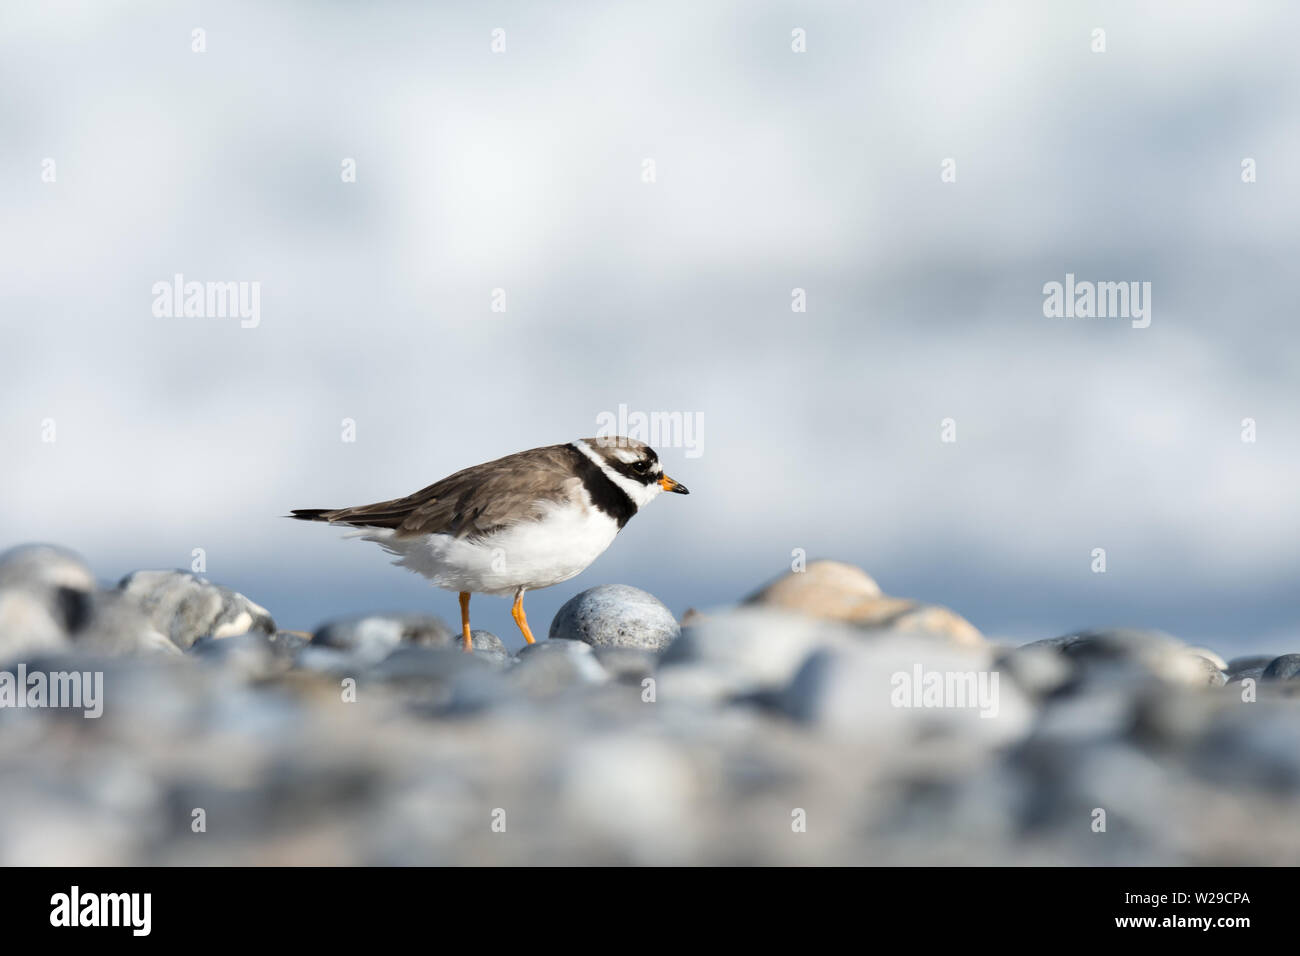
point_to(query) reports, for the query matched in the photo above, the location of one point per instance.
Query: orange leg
(521, 620)
(464, 622)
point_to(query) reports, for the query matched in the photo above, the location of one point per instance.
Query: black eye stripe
(641, 470)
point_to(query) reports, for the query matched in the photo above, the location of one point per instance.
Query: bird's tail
(313, 514)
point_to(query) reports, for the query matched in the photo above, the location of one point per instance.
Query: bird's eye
(640, 467)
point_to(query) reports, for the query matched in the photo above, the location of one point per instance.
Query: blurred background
(523, 171)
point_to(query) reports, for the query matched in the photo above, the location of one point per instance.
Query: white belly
(530, 554)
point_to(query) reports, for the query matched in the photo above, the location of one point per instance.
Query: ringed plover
(522, 522)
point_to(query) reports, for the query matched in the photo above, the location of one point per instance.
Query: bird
(516, 524)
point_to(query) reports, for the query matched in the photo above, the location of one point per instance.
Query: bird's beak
(667, 484)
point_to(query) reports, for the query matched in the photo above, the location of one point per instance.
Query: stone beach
(815, 721)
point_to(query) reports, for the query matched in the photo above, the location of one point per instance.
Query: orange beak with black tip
(676, 487)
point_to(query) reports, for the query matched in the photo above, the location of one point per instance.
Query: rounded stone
(552, 667)
(252, 655)
(616, 615)
(1286, 667)
(46, 565)
(53, 575)
(833, 590)
(1105, 653)
(1214, 657)
(185, 607)
(1253, 666)
(1040, 670)
(27, 626)
(487, 646)
(629, 665)
(374, 636)
(118, 625)
(830, 589)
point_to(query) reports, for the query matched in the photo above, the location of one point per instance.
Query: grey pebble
(254, 656)
(186, 607)
(551, 667)
(628, 665)
(1252, 666)
(44, 565)
(372, 637)
(1286, 667)
(616, 615)
(46, 594)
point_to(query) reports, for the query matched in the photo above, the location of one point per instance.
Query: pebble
(487, 647)
(744, 651)
(118, 625)
(828, 589)
(1038, 669)
(636, 792)
(1212, 656)
(1135, 652)
(628, 744)
(877, 691)
(1286, 667)
(551, 667)
(1252, 666)
(28, 625)
(616, 615)
(45, 565)
(372, 637)
(186, 607)
(422, 666)
(253, 656)
(46, 594)
(627, 664)
(842, 592)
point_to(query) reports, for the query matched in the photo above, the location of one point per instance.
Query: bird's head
(633, 466)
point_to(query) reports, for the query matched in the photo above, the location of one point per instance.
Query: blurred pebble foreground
(773, 735)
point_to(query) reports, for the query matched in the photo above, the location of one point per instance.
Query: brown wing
(473, 502)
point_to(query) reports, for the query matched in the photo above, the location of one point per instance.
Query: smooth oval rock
(1139, 652)
(28, 626)
(252, 656)
(746, 650)
(1038, 670)
(551, 667)
(45, 564)
(836, 591)
(120, 626)
(902, 688)
(1239, 668)
(186, 607)
(1286, 667)
(53, 575)
(920, 618)
(616, 615)
(830, 589)
(627, 664)
(487, 647)
(291, 641)
(373, 637)
(1212, 656)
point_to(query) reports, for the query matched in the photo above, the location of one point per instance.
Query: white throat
(640, 494)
